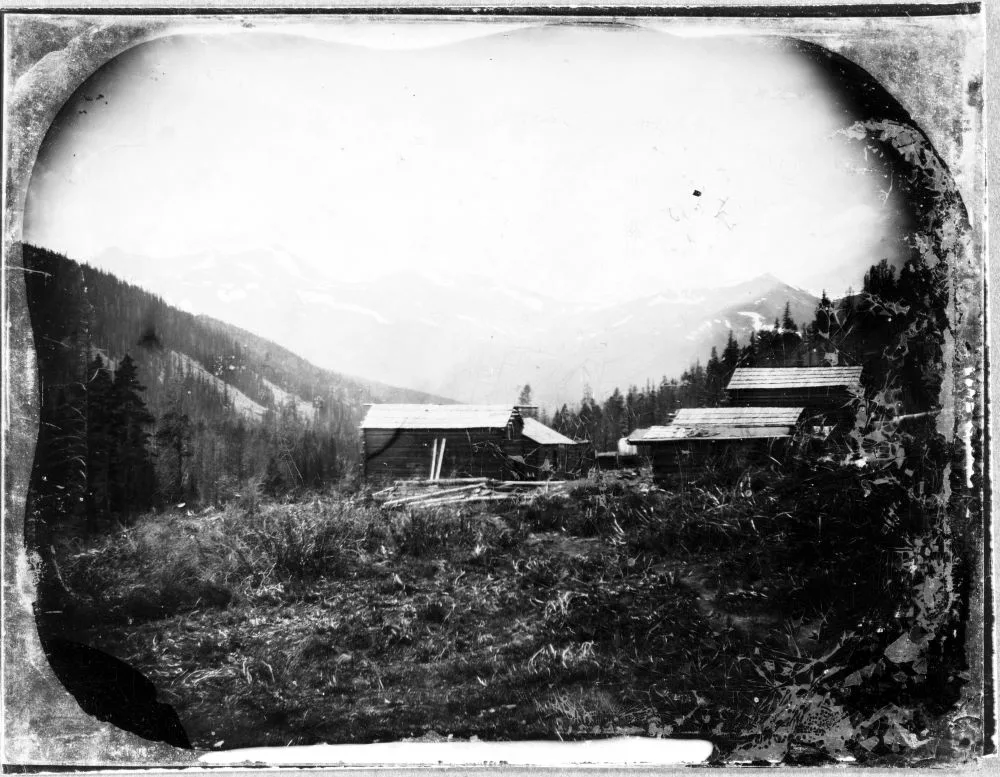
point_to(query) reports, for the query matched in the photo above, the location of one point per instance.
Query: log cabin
(546, 449)
(824, 392)
(400, 442)
(724, 439)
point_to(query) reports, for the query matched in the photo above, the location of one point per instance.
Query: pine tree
(787, 322)
(880, 281)
(666, 401)
(562, 421)
(174, 438)
(101, 441)
(823, 319)
(730, 355)
(614, 420)
(714, 380)
(133, 476)
(589, 418)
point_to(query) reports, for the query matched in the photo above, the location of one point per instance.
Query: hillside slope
(233, 405)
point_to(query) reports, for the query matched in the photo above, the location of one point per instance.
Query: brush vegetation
(720, 612)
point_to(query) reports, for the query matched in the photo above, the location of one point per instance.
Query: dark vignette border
(826, 11)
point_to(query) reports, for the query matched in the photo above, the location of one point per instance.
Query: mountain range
(467, 337)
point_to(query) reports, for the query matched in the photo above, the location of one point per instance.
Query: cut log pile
(450, 491)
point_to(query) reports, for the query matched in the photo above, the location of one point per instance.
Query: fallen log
(381, 492)
(433, 494)
(530, 483)
(442, 481)
(464, 500)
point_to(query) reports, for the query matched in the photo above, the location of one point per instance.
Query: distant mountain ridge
(630, 343)
(469, 337)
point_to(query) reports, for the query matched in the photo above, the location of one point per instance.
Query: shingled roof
(794, 377)
(538, 432)
(673, 432)
(737, 416)
(392, 416)
(636, 435)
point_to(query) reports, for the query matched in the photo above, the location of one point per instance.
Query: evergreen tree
(101, 442)
(730, 356)
(667, 401)
(880, 281)
(787, 323)
(714, 380)
(691, 391)
(174, 438)
(589, 419)
(559, 419)
(613, 420)
(823, 319)
(133, 476)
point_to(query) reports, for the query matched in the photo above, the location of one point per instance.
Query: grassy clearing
(619, 608)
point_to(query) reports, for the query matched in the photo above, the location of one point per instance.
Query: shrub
(169, 563)
(152, 570)
(423, 532)
(295, 543)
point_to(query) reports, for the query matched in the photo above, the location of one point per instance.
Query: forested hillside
(143, 403)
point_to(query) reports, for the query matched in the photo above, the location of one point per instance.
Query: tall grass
(258, 550)
(293, 543)
(445, 530)
(167, 563)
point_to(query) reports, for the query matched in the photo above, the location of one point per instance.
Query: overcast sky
(561, 157)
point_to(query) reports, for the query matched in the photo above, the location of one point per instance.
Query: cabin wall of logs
(401, 454)
(683, 460)
(827, 400)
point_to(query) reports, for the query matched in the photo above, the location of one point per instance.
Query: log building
(432, 441)
(821, 391)
(720, 438)
(548, 450)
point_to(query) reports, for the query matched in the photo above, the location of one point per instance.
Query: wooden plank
(432, 494)
(466, 500)
(528, 483)
(437, 474)
(446, 481)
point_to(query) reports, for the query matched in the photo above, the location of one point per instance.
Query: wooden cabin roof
(738, 416)
(675, 432)
(538, 432)
(393, 416)
(636, 435)
(794, 377)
